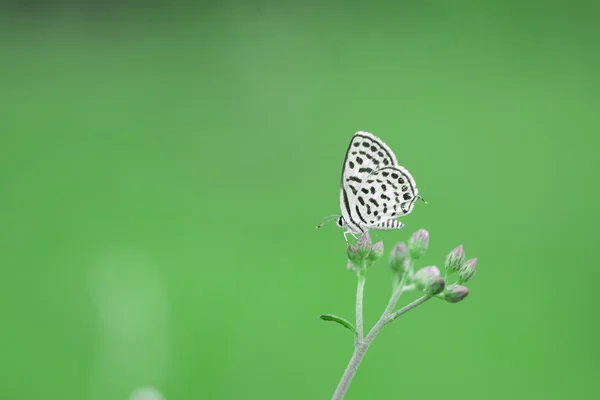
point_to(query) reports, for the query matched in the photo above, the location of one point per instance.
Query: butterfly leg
(349, 232)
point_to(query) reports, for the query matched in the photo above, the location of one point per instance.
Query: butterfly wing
(387, 193)
(365, 155)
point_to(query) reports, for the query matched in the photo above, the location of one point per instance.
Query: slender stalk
(357, 356)
(397, 292)
(361, 346)
(407, 308)
(359, 305)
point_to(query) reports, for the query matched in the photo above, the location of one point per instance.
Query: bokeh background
(163, 167)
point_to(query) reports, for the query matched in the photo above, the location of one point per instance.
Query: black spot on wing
(406, 196)
(351, 164)
(365, 191)
(374, 202)
(364, 153)
(372, 190)
(359, 160)
(364, 169)
(361, 200)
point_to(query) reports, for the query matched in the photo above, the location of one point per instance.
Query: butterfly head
(339, 220)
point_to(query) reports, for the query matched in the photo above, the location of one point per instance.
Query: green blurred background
(163, 167)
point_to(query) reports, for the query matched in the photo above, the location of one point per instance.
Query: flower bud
(428, 280)
(418, 243)
(467, 270)
(455, 259)
(353, 254)
(364, 243)
(454, 293)
(375, 253)
(398, 256)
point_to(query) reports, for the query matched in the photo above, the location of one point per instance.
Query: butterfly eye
(340, 222)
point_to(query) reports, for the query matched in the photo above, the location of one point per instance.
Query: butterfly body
(375, 190)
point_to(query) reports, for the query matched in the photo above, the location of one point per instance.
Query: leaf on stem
(339, 320)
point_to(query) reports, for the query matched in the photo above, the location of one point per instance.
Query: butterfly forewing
(365, 155)
(374, 187)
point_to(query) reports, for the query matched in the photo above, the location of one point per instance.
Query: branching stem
(362, 345)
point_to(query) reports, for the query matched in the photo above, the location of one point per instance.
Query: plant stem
(396, 294)
(407, 308)
(361, 346)
(359, 305)
(357, 356)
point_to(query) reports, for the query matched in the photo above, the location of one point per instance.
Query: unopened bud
(467, 270)
(398, 256)
(353, 254)
(376, 252)
(428, 280)
(364, 243)
(418, 243)
(454, 293)
(455, 259)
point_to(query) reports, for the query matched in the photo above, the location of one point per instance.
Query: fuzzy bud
(454, 293)
(376, 252)
(364, 243)
(455, 259)
(353, 255)
(418, 243)
(398, 256)
(467, 270)
(429, 281)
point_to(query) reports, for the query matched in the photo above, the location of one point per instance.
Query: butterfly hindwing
(387, 193)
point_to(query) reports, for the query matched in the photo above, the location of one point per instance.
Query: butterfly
(375, 190)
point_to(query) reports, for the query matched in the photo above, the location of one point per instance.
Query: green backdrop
(162, 169)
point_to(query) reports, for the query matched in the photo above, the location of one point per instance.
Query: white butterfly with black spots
(375, 190)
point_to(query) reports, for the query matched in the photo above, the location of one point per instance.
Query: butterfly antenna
(424, 201)
(328, 218)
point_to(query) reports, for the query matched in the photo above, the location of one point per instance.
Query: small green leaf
(339, 320)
